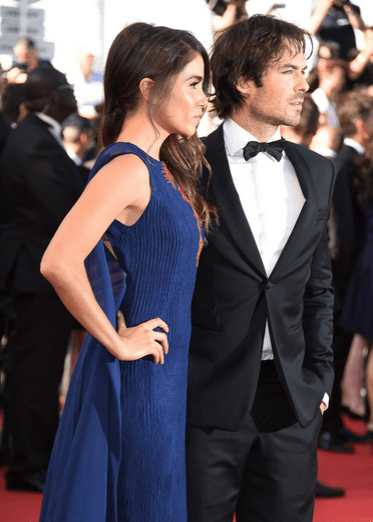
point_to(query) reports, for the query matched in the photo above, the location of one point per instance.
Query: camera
(219, 6)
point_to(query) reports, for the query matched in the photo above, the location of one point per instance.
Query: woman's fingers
(121, 322)
(144, 339)
(156, 323)
(162, 339)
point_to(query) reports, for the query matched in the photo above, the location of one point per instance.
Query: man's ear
(145, 87)
(244, 86)
(362, 129)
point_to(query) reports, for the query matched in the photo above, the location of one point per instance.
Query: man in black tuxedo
(260, 358)
(41, 184)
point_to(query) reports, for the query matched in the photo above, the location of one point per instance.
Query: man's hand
(322, 407)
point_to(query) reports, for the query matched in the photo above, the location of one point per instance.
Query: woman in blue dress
(119, 453)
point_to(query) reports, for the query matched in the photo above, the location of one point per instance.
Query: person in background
(87, 82)
(5, 130)
(28, 60)
(331, 74)
(336, 20)
(41, 183)
(304, 132)
(360, 65)
(77, 135)
(347, 235)
(226, 12)
(357, 314)
(260, 365)
(13, 101)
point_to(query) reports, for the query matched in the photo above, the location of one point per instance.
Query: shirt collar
(236, 137)
(76, 159)
(355, 145)
(57, 127)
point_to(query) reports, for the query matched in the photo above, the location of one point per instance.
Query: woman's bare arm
(120, 190)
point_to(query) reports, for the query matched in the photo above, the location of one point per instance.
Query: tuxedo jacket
(41, 184)
(234, 297)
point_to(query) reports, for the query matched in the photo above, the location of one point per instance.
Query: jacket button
(269, 285)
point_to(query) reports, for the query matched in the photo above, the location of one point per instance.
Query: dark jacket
(41, 184)
(234, 296)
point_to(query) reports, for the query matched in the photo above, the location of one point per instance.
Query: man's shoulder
(29, 131)
(32, 138)
(346, 152)
(346, 158)
(313, 159)
(214, 139)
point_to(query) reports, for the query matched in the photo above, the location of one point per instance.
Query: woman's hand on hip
(142, 340)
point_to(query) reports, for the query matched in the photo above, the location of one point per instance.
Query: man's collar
(355, 145)
(57, 127)
(236, 137)
(76, 159)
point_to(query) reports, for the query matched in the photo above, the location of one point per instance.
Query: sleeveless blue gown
(119, 454)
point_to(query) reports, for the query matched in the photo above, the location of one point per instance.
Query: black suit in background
(349, 223)
(5, 130)
(41, 184)
(232, 300)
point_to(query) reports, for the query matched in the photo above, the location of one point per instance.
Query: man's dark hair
(41, 86)
(352, 107)
(246, 50)
(11, 98)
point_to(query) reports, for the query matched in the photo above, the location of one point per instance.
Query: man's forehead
(288, 57)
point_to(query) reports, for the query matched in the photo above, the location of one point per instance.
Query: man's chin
(292, 122)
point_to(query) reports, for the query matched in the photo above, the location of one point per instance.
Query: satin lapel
(228, 201)
(307, 217)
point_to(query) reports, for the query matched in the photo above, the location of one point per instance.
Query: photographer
(226, 12)
(336, 20)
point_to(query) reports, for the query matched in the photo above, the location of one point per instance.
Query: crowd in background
(41, 180)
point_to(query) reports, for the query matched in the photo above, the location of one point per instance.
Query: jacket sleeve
(318, 302)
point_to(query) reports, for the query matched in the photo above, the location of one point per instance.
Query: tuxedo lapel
(307, 217)
(228, 201)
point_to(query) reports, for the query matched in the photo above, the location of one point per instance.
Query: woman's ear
(145, 87)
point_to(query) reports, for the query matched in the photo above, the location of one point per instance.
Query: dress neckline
(138, 148)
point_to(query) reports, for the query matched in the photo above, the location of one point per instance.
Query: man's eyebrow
(292, 66)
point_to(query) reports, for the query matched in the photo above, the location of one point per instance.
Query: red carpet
(354, 472)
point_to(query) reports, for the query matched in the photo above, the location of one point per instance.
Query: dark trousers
(265, 472)
(35, 353)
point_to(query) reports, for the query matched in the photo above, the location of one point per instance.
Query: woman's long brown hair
(140, 51)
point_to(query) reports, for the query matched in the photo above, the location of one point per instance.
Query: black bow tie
(274, 148)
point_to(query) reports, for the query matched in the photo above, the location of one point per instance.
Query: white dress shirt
(270, 195)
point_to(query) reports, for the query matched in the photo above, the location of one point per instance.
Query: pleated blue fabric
(119, 454)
